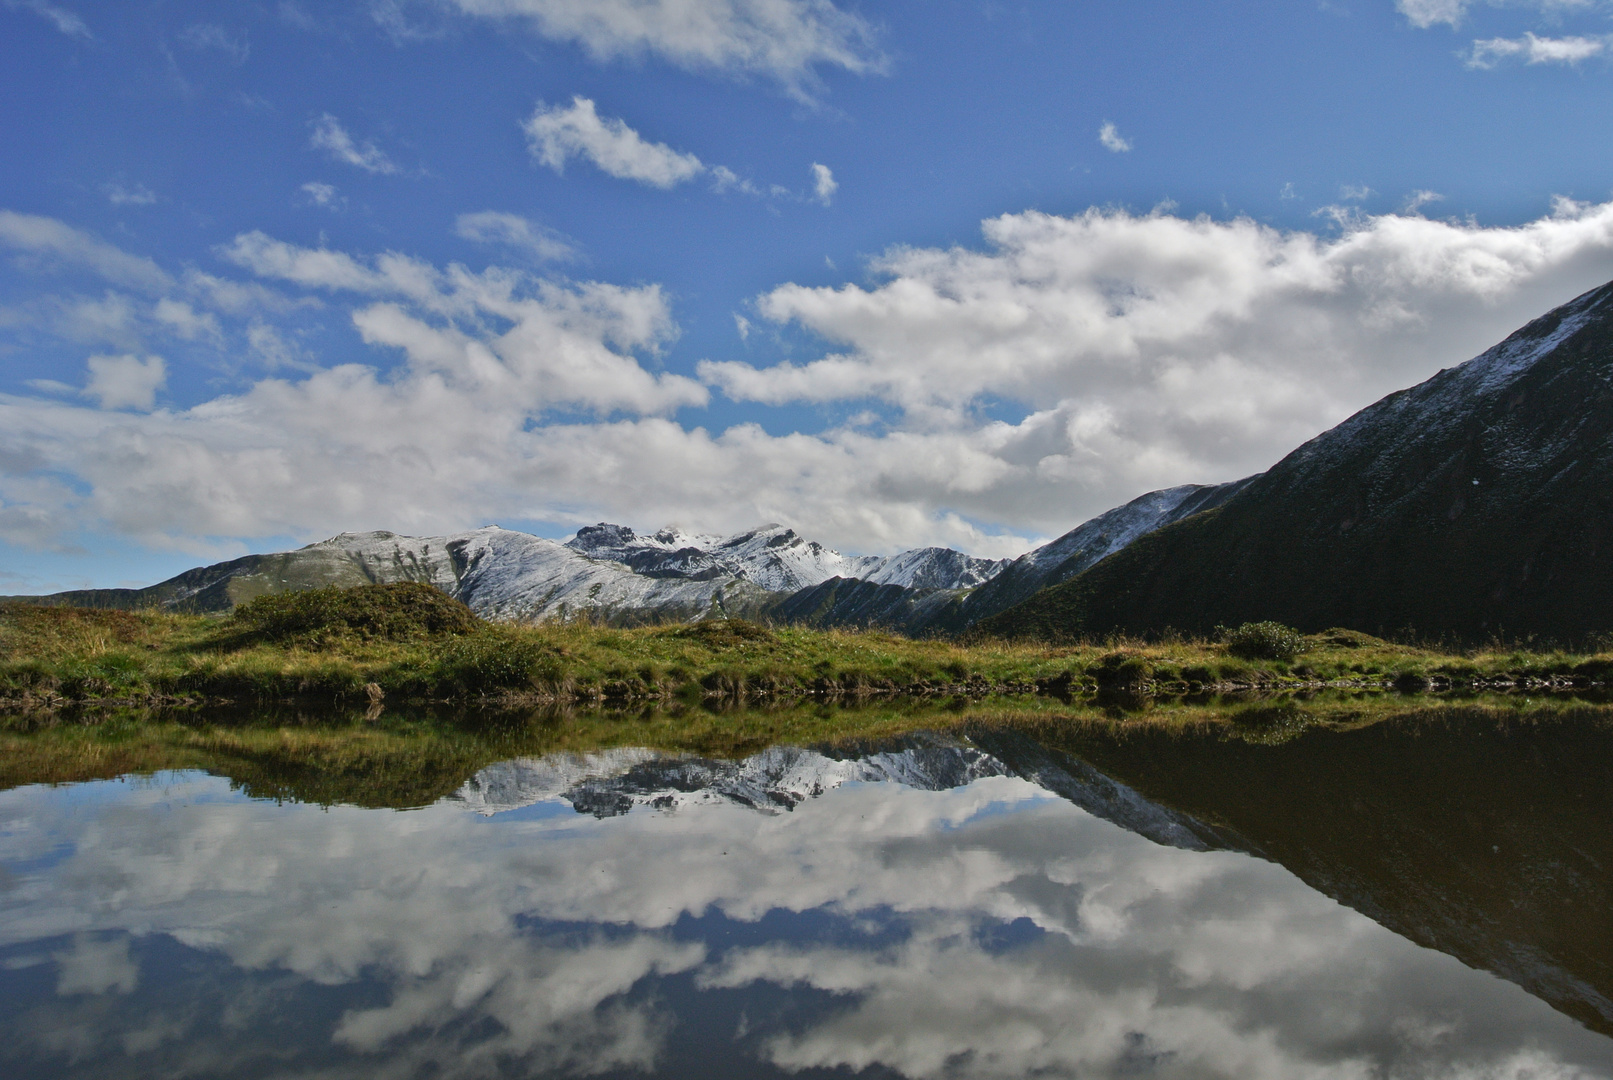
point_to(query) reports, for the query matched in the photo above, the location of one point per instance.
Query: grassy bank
(414, 756)
(402, 644)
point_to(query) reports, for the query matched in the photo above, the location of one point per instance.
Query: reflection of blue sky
(985, 930)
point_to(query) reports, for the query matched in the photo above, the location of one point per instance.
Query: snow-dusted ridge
(777, 559)
(611, 573)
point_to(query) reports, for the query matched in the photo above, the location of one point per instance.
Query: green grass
(414, 756)
(396, 644)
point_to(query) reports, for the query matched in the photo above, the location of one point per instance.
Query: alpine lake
(1348, 885)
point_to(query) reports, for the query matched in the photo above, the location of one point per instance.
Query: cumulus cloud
(785, 40)
(125, 382)
(63, 19)
(1117, 353)
(1536, 50)
(331, 137)
(1109, 136)
(558, 133)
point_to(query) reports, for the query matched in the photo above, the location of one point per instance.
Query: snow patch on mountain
(776, 558)
(1451, 397)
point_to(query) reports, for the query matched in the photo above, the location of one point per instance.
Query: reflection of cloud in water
(1025, 935)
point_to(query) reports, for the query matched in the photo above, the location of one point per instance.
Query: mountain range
(611, 574)
(1477, 504)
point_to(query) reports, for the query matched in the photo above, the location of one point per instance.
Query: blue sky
(892, 273)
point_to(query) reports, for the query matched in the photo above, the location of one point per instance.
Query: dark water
(1407, 900)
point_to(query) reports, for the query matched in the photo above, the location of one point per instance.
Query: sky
(890, 272)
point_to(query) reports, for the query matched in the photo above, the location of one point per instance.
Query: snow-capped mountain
(606, 571)
(611, 573)
(777, 559)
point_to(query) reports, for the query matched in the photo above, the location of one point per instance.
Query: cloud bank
(993, 396)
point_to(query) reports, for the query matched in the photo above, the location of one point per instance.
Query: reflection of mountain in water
(1487, 842)
(1485, 838)
(613, 782)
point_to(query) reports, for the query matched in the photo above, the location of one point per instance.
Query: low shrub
(725, 633)
(1199, 673)
(394, 612)
(1264, 641)
(498, 660)
(1119, 669)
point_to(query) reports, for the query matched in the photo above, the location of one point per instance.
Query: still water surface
(938, 907)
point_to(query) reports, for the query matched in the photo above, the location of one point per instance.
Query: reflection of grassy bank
(398, 758)
(54, 656)
(383, 759)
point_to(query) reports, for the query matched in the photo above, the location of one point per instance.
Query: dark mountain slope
(1477, 503)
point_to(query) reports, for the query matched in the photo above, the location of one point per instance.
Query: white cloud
(322, 194)
(1355, 192)
(272, 350)
(513, 231)
(823, 183)
(559, 133)
(125, 382)
(1109, 136)
(1536, 50)
(1143, 351)
(188, 323)
(783, 39)
(1425, 13)
(724, 179)
(330, 136)
(49, 239)
(64, 20)
(134, 195)
(208, 37)
(1419, 199)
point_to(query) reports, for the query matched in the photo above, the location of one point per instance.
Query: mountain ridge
(611, 573)
(1475, 505)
